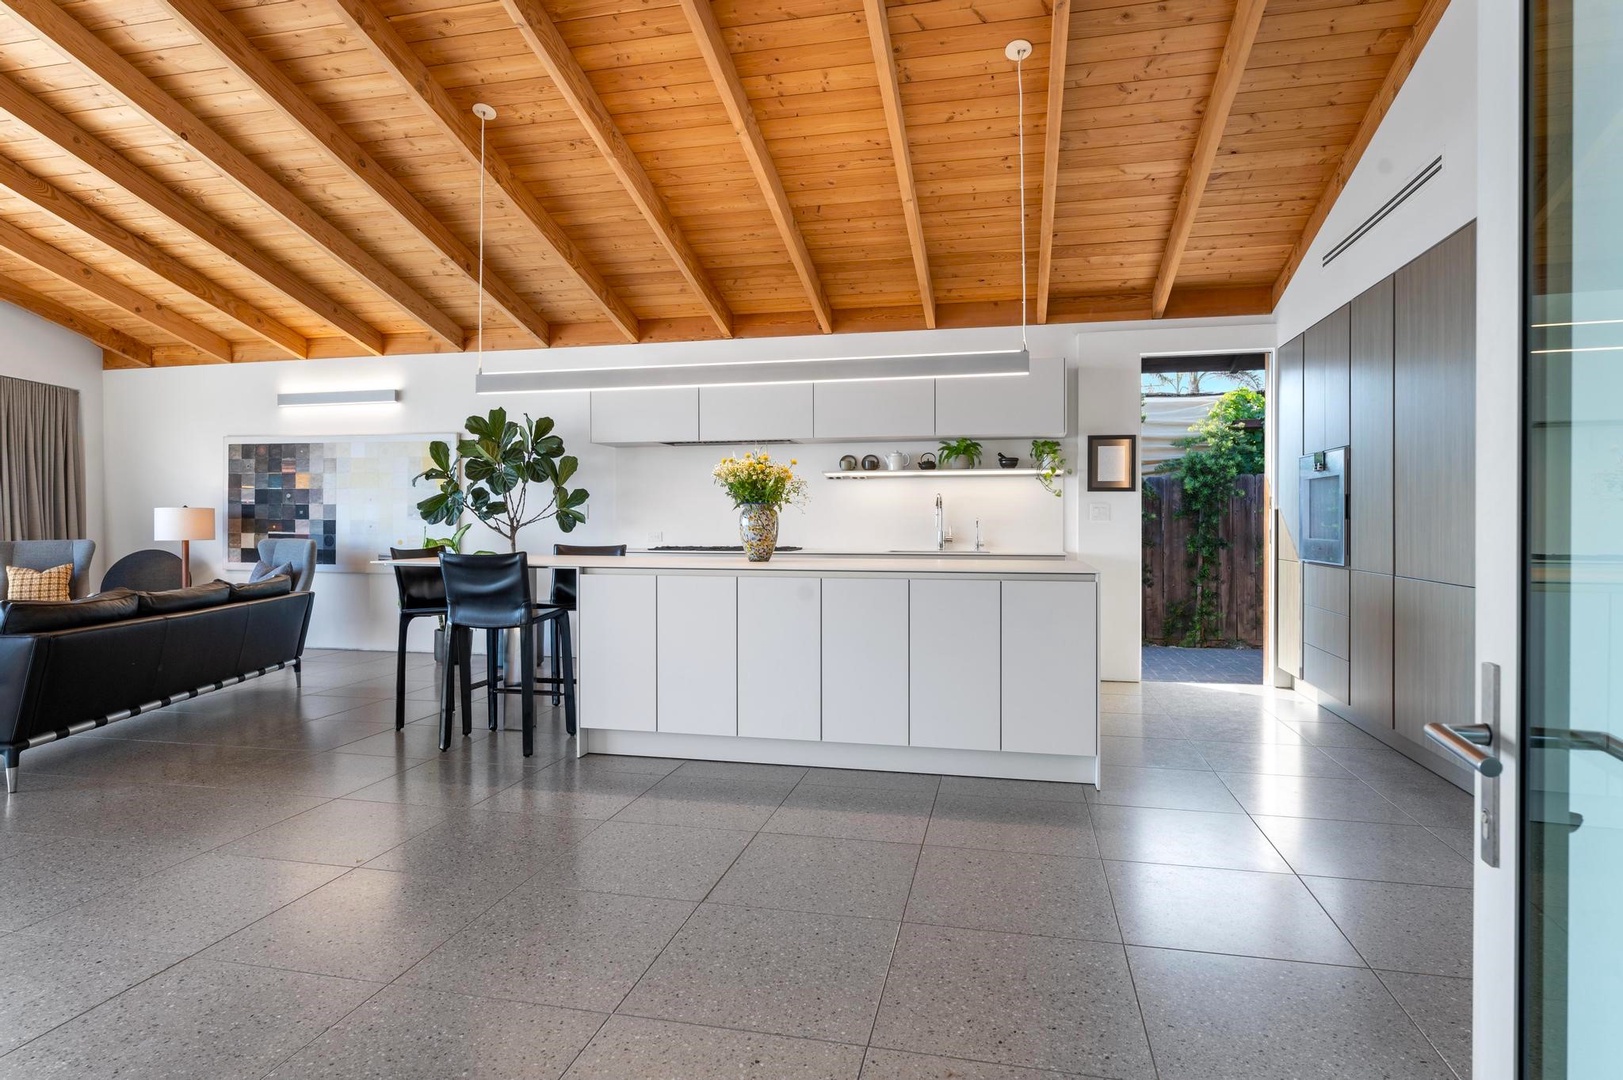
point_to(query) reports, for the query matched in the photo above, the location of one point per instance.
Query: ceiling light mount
(486, 112)
(1016, 50)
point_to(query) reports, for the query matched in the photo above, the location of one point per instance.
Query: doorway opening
(1205, 546)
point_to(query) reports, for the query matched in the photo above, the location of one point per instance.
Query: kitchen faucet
(942, 536)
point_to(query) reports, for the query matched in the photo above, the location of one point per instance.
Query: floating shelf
(920, 474)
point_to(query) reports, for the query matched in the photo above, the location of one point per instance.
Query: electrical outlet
(655, 539)
(1098, 511)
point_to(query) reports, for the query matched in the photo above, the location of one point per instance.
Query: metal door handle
(1468, 742)
(1567, 739)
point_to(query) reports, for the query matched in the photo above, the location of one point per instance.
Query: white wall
(1435, 113)
(41, 351)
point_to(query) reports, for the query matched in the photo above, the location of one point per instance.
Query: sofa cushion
(169, 601)
(264, 570)
(44, 616)
(280, 585)
(53, 585)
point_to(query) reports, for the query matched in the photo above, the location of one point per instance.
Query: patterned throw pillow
(264, 570)
(53, 584)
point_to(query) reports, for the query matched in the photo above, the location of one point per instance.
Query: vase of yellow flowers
(759, 488)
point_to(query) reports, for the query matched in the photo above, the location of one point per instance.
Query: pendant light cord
(481, 298)
(1020, 83)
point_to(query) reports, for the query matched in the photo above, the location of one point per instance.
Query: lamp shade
(183, 523)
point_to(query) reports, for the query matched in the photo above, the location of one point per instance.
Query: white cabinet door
(883, 409)
(698, 654)
(780, 651)
(1050, 667)
(953, 658)
(753, 413)
(628, 417)
(617, 652)
(1006, 407)
(865, 660)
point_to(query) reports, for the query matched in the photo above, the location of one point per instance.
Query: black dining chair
(566, 594)
(492, 593)
(422, 595)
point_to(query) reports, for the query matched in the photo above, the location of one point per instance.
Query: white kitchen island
(967, 665)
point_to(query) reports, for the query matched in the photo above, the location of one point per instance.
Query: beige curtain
(42, 462)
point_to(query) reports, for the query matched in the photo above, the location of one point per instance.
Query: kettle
(927, 461)
(896, 460)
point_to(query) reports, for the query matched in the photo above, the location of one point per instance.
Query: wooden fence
(1169, 579)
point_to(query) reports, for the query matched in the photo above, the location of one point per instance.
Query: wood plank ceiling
(204, 181)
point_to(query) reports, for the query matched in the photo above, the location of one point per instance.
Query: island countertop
(909, 564)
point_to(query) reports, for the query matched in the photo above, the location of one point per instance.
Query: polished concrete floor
(269, 882)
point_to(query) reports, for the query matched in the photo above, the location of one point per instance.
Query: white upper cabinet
(1005, 407)
(755, 413)
(881, 409)
(628, 417)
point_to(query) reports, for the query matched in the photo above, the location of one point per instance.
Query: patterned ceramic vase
(758, 530)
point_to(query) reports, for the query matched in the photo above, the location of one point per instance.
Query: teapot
(896, 460)
(927, 461)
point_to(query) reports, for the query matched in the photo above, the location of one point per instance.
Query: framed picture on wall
(1112, 462)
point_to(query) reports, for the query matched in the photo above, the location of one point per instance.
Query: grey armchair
(300, 554)
(44, 554)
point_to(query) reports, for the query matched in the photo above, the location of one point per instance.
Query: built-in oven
(1324, 507)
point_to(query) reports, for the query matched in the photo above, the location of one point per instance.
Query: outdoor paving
(1167, 663)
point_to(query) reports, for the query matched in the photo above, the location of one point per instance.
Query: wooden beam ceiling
(396, 55)
(741, 114)
(138, 353)
(1059, 49)
(1242, 35)
(890, 92)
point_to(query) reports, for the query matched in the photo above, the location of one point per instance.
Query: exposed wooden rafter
(713, 47)
(1402, 64)
(1242, 35)
(552, 50)
(1059, 47)
(459, 125)
(45, 196)
(890, 92)
(215, 30)
(79, 44)
(112, 341)
(90, 151)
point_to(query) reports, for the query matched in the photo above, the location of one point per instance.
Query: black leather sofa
(68, 668)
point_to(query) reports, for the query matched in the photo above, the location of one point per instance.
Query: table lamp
(183, 523)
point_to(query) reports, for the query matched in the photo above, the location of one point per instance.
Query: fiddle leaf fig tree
(492, 473)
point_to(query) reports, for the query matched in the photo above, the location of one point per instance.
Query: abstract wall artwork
(351, 494)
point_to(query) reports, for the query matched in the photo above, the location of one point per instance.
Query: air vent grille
(1416, 182)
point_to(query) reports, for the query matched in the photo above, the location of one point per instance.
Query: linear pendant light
(753, 372)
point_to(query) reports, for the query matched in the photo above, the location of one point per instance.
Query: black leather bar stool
(565, 594)
(422, 595)
(492, 593)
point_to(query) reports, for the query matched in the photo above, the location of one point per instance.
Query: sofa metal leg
(298, 672)
(11, 757)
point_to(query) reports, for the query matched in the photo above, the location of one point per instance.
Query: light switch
(1098, 511)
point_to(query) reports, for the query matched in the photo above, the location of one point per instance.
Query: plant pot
(439, 645)
(758, 530)
(958, 463)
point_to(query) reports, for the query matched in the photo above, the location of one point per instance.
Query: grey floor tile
(413, 744)
(566, 790)
(821, 874)
(189, 906)
(1441, 1009)
(1381, 763)
(1183, 837)
(619, 763)
(326, 775)
(580, 950)
(1170, 789)
(368, 924)
(196, 1020)
(899, 1065)
(1430, 800)
(1038, 826)
(863, 778)
(50, 982)
(404, 1033)
(1150, 753)
(632, 857)
(193, 818)
(1365, 849)
(1463, 841)
(1135, 724)
(706, 803)
(452, 779)
(481, 845)
(1225, 911)
(856, 813)
(784, 776)
(1040, 1002)
(1247, 728)
(633, 1046)
(344, 832)
(1345, 798)
(1425, 929)
(56, 874)
(1333, 732)
(985, 787)
(1213, 1017)
(1269, 758)
(1013, 892)
(780, 972)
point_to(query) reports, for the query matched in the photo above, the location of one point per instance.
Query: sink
(933, 551)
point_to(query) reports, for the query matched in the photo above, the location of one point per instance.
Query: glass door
(1571, 797)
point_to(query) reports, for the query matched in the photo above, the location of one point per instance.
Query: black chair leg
(527, 694)
(400, 676)
(448, 687)
(492, 686)
(465, 658)
(567, 649)
(557, 662)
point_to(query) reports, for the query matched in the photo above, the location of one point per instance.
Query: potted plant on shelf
(959, 454)
(759, 488)
(1049, 461)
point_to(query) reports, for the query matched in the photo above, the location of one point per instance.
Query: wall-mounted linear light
(339, 397)
(751, 372)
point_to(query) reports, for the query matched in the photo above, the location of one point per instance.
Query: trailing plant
(959, 449)
(1218, 451)
(757, 479)
(1049, 461)
(491, 474)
